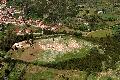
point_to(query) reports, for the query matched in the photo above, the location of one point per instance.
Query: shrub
(78, 34)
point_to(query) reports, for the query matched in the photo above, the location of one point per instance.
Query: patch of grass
(108, 16)
(15, 73)
(92, 77)
(2, 70)
(1, 35)
(78, 53)
(95, 77)
(100, 33)
(75, 54)
(43, 73)
(53, 56)
(106, 78)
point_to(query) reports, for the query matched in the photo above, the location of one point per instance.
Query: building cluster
(23, 31)
(36, 23)
(7, 16)
(3, 1)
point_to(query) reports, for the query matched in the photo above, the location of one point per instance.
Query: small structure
(86, 23)
(3, 1)
(100, 12)
(21, 45)
(11, 11)
(23, 31)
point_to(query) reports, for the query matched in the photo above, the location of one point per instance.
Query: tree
(116, 30)
(8, 40)
(2, 27)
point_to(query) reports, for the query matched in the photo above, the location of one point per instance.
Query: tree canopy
(48, 10)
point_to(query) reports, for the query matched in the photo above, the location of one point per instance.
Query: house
(56, 27)
(28, 31)
(38, 23)
(30, 21)
(4, 19)
(23, 31)
(3, 1)
(20, 32)
(21, 45)
(11, 11)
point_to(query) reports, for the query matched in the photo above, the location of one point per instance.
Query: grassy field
(33, 72)
(100, 33)
(42, 73)
(107, 16)
(76, 54)
(104, 77)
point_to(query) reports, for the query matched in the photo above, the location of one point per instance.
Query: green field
(100, 33)
(42, 73)
(16, 72)
(2, 70)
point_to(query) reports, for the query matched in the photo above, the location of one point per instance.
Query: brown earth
(31, 53)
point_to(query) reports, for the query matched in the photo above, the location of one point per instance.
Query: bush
(64, 32)
(8, 40)
(116, 30)
(83, 27)
(78, 34)
(48, 32)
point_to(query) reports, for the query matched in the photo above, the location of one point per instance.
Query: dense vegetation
(79, 15)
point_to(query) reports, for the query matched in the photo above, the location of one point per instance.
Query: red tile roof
(4, 1)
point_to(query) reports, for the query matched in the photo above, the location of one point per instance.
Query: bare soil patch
(31, 53)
